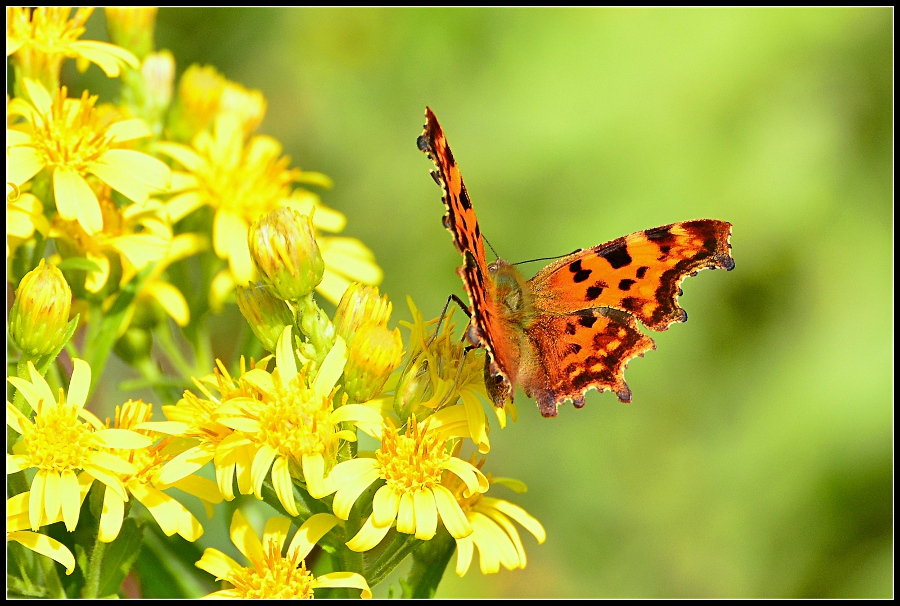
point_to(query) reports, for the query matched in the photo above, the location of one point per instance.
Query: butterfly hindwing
(580, 351)
(639, 273)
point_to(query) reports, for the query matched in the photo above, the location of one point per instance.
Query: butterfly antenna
(547, 258)
(486, 241)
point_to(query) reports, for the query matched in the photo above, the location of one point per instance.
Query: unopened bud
(374, 354)
(39, 318)
(360, 305)
(266, 313)
(284, 249)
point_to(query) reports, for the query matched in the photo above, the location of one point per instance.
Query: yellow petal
(344, 579)
(368, 536)
(245, 539)
(44, 545)
(426, 514)
(22, 163)
(451, 514)
(75, 200)
(111, 517)
(309, 533)
(217, 563)
(284, 488)
(406, 514)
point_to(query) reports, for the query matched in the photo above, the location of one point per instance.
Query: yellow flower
(413, 464)
(40, 39)
(144, 484)
(295, 426)
(60, 446)
(67, 137)
(270, 574)
(24, 218)
(197, 420)
(130, 239)
(243, 178)
(439, 372)
(493, 533)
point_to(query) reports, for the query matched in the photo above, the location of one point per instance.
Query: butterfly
(573, 326)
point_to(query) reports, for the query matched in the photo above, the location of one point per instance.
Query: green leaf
(120, 555)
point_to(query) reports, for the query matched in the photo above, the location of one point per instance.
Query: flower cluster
(117, 215)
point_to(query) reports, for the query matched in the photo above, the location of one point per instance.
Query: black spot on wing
(641, 272)
(626, 284)
(570, 328)
(587, 321)
(595, 291)
(581, 274)
(616, 255)
(464, 196)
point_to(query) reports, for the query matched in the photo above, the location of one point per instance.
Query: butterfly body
(573, 326)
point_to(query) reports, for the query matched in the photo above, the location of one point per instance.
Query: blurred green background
(757, 457)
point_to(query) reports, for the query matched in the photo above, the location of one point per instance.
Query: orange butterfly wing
(486, 329)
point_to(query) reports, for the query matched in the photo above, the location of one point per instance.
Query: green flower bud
(360, 305)
(374, 354)
(415, 386)
(266, 313)
(284, 249)
(39, 317)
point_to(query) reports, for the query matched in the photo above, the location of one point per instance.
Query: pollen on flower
(297, 422)
(275, 577)
(70, 136)
(59, 441)
(413, 460)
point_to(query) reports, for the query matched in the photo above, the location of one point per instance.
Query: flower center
(297, 422)
(412, 461)
(70, 135)
(274, 577)
(59, 441)
(248, 182)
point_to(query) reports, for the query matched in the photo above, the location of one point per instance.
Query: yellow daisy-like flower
(40, 39)
(24, 218)
(272, 575)
(243, 178)
(439, 372)
(61, 446)
(496, 538)
(295, 425)
(144, 485)
(413, 464)
(197, 421)
(68, 137)
(131, 238)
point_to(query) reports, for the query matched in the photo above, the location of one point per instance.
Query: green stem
(315, 325)
(429, 564)
(92, 575)
(391, 557)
